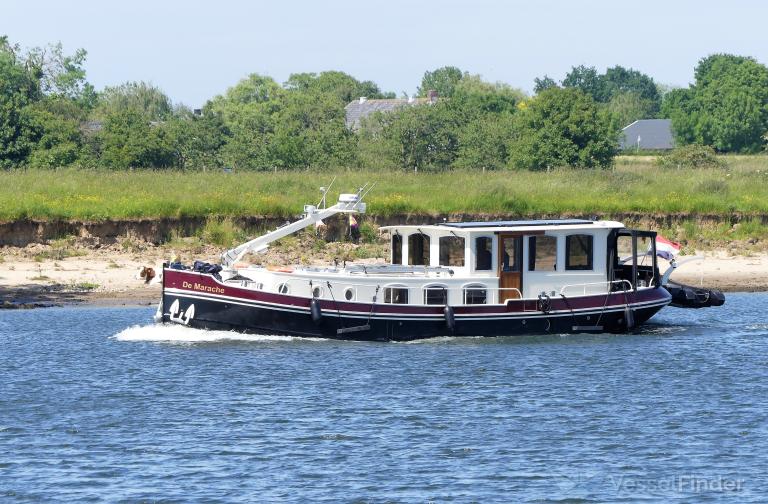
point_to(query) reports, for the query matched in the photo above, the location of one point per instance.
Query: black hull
(231, 316)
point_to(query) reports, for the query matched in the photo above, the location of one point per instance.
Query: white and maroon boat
(452, 278)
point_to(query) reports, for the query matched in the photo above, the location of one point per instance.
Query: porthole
(283, 288)
(349, 294)
(259, 286)
(317, 292)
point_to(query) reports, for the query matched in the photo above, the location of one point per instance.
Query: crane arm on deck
(348, 203)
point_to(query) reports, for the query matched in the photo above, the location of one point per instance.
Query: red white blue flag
(666, 249)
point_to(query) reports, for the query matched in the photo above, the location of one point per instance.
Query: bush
(691, 156)
(221, 232)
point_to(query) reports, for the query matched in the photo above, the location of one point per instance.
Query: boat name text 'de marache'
(203, 288)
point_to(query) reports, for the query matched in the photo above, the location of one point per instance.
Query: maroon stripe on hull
(201, 284)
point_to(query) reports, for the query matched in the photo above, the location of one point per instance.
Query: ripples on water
(98, 404)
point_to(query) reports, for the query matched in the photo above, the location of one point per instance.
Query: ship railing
(476, 289)
(396, 269)
(608, 285)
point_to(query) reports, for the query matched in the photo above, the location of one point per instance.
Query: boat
(500, 278)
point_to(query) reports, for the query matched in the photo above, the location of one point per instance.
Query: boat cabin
(497, 261)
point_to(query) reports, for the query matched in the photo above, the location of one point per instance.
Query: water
(98, 405)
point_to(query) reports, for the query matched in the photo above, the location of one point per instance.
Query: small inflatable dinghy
(686, 296)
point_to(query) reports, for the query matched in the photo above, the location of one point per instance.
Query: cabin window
(396, 295)
(317, 292)
(283, 288)
(578, 252)
(397, 249)
(349, 294)
(510, 250)
(475, 294)
(418, 250)
(542, 253)
(435, 295)
(483, 255)
(451, 251)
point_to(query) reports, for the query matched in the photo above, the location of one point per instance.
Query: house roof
(648, 134)
(362, 108)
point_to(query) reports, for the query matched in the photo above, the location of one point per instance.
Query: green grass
(636, 184)
(84, 286)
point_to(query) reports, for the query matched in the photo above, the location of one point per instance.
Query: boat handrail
(396, 268)
(584, 286)
(468, 286)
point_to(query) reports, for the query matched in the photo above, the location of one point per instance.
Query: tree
(540, 84)
(247, 111)
(628, 107)
(472, 97)
(17, 90)
(61, 75)
(145, 98)
(619, 80)
(253, 89)
(310, 132)
(128, 140)
(679, 106)
(196, 141)
(413, 138)
(562, 127)
(483, 142)
(443, 80)
(726, 107)
(54, 126)
(586, 80)
(615, 82)
(340, 84)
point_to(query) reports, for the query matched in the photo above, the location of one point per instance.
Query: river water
(97, 404)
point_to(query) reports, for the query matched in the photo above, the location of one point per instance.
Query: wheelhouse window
(435, 295)
(578, 252)
(542, 253)
(475, 294)
(418, 250)
(483, 255)
(396, 295)
(451, 251)
(397, 249)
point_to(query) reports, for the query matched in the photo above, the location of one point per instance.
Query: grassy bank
(634, 185)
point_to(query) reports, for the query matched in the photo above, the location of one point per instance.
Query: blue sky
(196, 49)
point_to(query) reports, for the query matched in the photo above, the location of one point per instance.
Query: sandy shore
(101, 277)
(109, 277)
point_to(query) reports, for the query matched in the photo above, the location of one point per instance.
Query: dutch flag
(666, 249)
